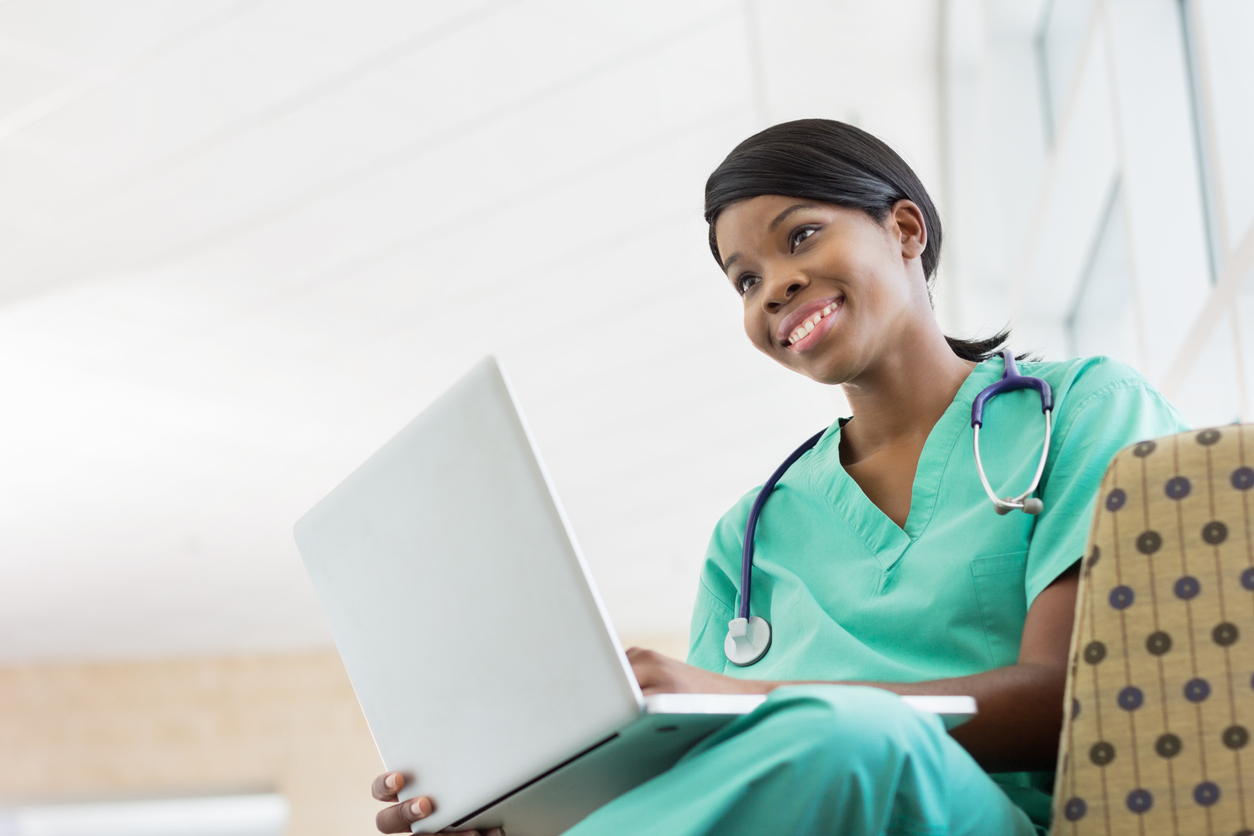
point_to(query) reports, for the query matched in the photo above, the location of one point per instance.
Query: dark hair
(831, 162)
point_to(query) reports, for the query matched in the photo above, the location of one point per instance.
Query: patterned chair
(1161, 686)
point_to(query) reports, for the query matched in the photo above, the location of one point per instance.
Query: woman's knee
(870, 722)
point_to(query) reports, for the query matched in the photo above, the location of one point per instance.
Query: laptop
(483, 658)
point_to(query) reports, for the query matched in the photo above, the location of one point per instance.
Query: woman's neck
(901, 398)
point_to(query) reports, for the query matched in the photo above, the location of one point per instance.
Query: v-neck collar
(883, 537)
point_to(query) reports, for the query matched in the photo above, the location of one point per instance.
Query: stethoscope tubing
(751, 527)
(1010, 381)
(1015, 502)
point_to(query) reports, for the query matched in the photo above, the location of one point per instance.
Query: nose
(781, 288)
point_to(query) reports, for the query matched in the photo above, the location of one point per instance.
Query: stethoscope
(749, 636)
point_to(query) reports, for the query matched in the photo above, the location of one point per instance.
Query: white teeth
(808, 326)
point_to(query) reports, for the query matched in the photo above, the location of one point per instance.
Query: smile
(820, 321)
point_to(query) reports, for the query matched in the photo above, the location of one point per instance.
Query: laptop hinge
(539, 777)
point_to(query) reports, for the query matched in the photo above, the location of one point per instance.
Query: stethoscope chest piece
(747, 640)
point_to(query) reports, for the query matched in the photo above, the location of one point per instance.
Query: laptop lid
(461, 606)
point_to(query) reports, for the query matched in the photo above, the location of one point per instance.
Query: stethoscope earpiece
(1010, 381)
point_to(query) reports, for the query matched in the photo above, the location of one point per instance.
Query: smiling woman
(880, 565)
(827, 162)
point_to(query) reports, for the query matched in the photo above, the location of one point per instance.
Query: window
(1103, 319)
(1140, 237)
(1222, 31)
(1060, 43)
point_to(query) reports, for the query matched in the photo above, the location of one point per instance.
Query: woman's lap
(821, 759)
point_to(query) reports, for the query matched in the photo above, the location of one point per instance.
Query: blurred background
(243, 243)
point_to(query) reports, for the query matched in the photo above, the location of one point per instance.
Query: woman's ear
(909, 226)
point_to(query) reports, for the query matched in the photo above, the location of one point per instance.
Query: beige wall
(284, 723)
(287, 724)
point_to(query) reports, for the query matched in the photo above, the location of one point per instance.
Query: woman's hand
(658, 674)
(398, 817)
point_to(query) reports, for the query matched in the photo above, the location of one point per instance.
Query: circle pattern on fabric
(1149, 542)
(1243, 478)
(1208, 437)
(1206, 793)
(1187, 587)
(1159, 601)
(1139, 801)
(1196, 690)
(1225, 634)
(1102, 753)
(1130, 698)
(1215, 532)
(1158, 642)
(1177, 487)
(1121, 597)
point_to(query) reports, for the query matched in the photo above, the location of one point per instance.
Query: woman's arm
(1020, 706)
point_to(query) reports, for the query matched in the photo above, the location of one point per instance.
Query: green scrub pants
(819, 759)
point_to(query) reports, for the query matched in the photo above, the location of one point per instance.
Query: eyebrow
(782, 216)
(779, 219)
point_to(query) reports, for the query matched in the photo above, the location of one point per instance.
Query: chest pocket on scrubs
(999, 589)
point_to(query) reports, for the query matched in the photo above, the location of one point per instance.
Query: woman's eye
(745, 281)
(798, 236)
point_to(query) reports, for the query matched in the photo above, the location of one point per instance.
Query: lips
(805, 326)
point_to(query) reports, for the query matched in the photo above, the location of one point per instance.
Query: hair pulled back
(831, 162)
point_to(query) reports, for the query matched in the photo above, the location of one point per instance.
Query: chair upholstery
(1161, 684)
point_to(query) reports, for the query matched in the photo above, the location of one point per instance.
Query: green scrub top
(851, 596)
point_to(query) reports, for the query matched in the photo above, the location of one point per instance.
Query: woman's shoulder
(1079, 381)
(1105, 388)
(1085, 374)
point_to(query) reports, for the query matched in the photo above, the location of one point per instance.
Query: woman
(879, 560)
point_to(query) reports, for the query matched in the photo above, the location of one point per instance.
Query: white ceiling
(241, 244)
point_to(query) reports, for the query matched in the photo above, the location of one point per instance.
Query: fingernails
(390, 781)
(415, 809)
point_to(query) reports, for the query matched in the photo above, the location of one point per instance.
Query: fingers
(645, 665)
(398, 817)
(385, 787)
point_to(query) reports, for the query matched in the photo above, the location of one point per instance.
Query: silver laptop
(480, 651)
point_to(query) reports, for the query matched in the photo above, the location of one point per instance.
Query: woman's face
(827, 290)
